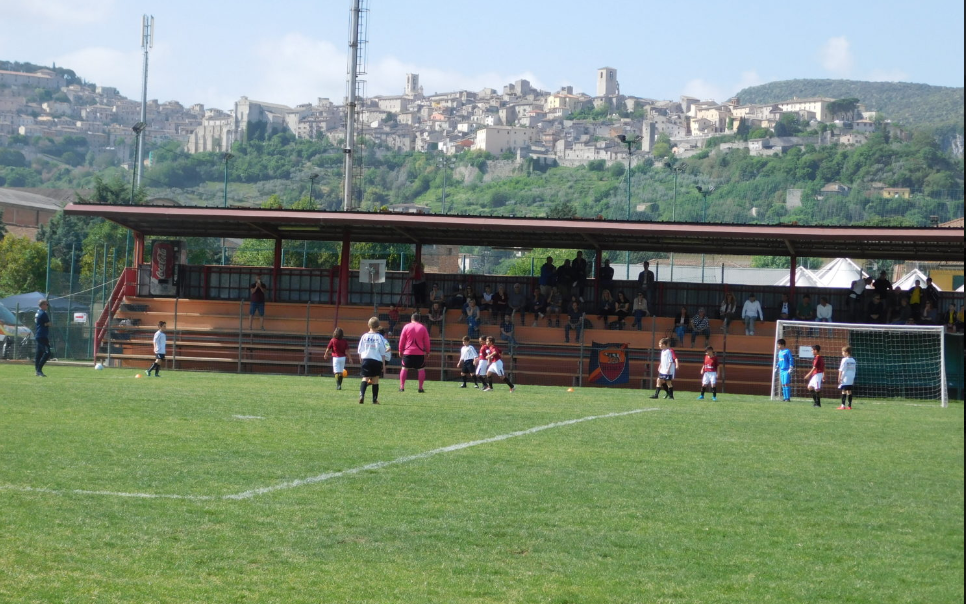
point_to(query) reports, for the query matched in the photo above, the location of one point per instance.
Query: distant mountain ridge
(917, 106)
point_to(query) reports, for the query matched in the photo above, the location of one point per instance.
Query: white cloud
(836, 56)
(107, 67)
(704, 90)
(59, 11)
(888, 75)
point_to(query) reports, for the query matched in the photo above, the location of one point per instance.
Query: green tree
(12, 158)
(23, 265)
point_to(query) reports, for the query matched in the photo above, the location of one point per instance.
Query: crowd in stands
(563, 290)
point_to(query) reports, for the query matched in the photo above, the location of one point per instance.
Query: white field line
(292, 484)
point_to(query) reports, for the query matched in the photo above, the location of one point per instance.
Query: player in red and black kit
(709, 373)
(495, 365)
(816, 374)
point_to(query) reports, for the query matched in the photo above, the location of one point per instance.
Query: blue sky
(293, 51)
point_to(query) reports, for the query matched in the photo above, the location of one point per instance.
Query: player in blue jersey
(785, 367)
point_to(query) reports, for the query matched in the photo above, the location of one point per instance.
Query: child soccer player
(785, 367)
(666, 370)
(494, 365)
(709, 374)
(373, 351)
(160, 348)
(481, 362)
(466, 362)
(338, 349)
(846, 376)
(816, 375)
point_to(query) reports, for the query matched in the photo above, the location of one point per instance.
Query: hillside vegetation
(918, 106)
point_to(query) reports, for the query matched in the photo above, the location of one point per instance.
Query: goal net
(892, 361)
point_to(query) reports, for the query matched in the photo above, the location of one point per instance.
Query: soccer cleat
(421, 391)
(463, 386)
(338, 387)
(514, 389)
(477, 386)
(41, 374)
(487, 389)
(402, 389)
(816, 404)
(375, 402)
(362, 400)
(701, 397)
(652, 396)
(714, 398)
(842, 407)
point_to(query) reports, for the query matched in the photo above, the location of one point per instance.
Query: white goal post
(893, 361)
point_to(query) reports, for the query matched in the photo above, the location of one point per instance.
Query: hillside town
(519, 121)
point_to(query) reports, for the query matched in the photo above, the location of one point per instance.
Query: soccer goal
(893, 361)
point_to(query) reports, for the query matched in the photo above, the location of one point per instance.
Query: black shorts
(159, 356)
(468, 367)
(414, 361)
(371, 368)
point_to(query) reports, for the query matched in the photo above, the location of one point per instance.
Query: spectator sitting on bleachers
(785, 308)
(876, 310)
(805, 310)
(472, 318)
(436, 295)
(506, 333)
(929, 314)
(486, 302)
(575, 321)
(606, 308)
(622, 309)
(436, 318)
(456, 299)
(750, 312)
(823, 312)
(953, 320)
(499, 304)
(700, 325)
(682, 321)
(538, 306)
(517, 301)
(728, 311)
(903, 314)
(640, 310)
(554, 306)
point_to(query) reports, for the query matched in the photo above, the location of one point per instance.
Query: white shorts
(481, 367)
(709, 378)
(495, 367)
(816, 382)
(338, 364)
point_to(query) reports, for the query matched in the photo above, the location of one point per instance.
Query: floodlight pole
(227, 157)
(630, 142)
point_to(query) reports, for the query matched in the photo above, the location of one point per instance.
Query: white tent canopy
(840, 272)
(908, 281)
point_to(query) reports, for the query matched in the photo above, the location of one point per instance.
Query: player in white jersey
(467, 362)
(160, 349)
(846, 377)
(666, 370)
(373, 351)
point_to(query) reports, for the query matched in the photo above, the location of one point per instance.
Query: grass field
(222, 488)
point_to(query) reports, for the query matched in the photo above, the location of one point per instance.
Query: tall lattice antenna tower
(147, 43)
(355, 90)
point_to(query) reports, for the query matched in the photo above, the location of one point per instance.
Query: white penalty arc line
(292, 484)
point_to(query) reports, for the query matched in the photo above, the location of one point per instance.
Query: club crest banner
(608, 364)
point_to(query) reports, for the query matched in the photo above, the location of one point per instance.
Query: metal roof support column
(791, 281)
(344, 271)
(276, 269)
(138, 249)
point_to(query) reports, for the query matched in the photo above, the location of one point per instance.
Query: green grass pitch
(221, 488)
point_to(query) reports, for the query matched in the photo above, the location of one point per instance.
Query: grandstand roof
(932, 243)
